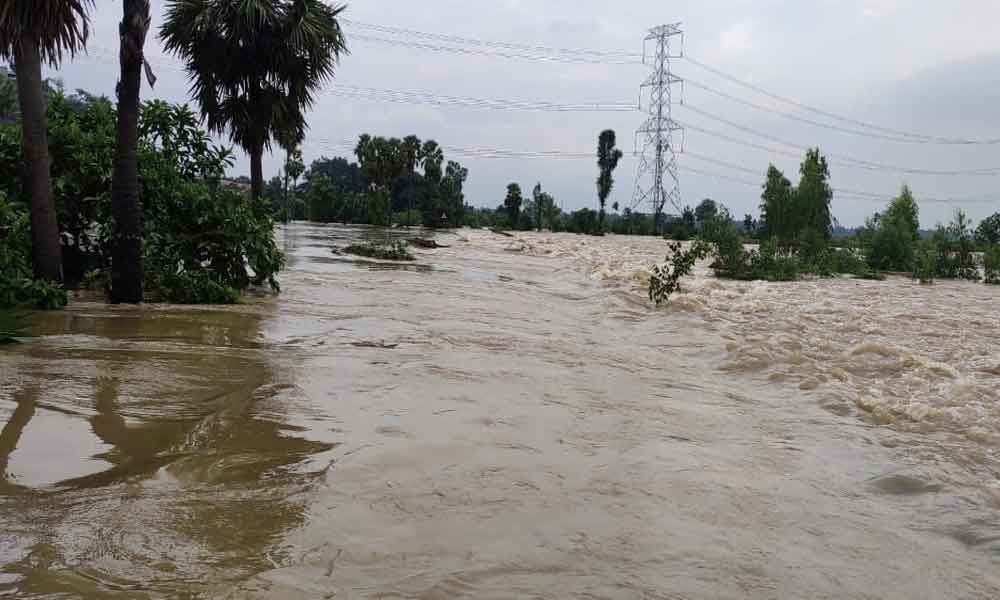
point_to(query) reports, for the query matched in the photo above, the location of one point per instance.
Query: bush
(394, 251)
(991, 264)
(196, 287)
(848, 261)
(956, 248)
(584, 221)
(665, 278)
(925, 261)
(195, 229)
(18, 287)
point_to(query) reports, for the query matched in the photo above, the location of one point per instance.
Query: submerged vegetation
(795, 239)
(394, 251)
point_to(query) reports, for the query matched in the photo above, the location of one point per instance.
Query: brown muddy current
(507, 418)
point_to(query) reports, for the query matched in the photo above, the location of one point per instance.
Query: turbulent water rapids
(507, 418)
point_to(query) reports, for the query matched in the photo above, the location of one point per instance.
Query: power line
(836, 159)
(410, 97)
(916, 137)
(490, 52)
(417, 97)
(615, 54)
(860, 194)
(621, 56)
(793, 117)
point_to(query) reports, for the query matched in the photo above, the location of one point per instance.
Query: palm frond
(255, 66)
(59, 26)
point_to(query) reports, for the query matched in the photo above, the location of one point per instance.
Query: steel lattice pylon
(658, 161)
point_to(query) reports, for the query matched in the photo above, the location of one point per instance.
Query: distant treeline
(796, 236)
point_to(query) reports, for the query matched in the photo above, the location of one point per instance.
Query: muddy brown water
(507, 418)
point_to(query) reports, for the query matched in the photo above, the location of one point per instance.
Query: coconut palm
(32, 32)
(255, 65)
(126, 258)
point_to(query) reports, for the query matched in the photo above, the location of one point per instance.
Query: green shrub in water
(925, 260)
(18, 287)
(394, 251)
(991, 264)
(665, 278)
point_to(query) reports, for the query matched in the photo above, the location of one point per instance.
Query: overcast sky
(914, 65)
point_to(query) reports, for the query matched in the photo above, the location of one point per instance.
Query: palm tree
(256, 75)
(126, 257)
(33, 31)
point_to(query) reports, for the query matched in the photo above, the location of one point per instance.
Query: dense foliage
(889, 237)
(991, 265)
(395, 251)
(203, 241)
(395, 181)
(18, 286)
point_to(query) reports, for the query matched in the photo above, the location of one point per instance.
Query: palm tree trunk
(126, 257)
(257, 171)
(46, 253)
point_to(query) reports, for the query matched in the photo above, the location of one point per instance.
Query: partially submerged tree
(33, 32)
(126, 260)
(607, 161)
(813, 195)
(512, 203)
(776, 211)
(293, 169)
(255, 65)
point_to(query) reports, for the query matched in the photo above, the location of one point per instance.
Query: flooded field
(507, 418)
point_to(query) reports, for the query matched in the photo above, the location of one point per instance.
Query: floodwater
(507, 418)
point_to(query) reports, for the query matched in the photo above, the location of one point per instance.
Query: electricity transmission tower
(657, 168)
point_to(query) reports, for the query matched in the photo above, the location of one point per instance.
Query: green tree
(991, 265)
(776, 210)
(890, 237)
(988, 232)
(706, 211)
(539, 209)
(255, 76)
(293, 169)
(126, 256)
(32, 32)
(452, 196)
(550, 210)
(512, 204)
(607, 161)
(904, 211)
(812, 197)
(956, 247)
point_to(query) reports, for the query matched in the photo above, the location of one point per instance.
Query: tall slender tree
(776, 210)
(536, 197)
(607, 161)
(813, 195)
(126, 254)
(255, 65)
(513, 204)
(33, 32)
